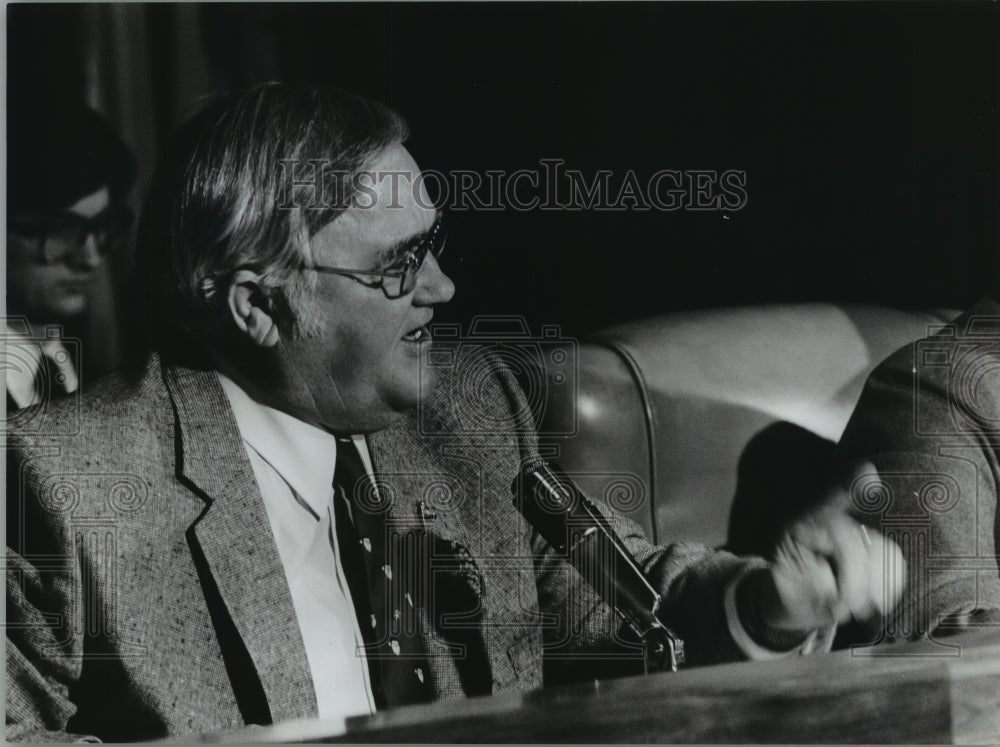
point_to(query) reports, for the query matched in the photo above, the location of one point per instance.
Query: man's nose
(88, 256)
(433, 286)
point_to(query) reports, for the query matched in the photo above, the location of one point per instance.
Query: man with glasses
(279, 513)
(67, 176)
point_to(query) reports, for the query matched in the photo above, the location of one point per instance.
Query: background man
(67, 176)
(228, 582)
(929, 420)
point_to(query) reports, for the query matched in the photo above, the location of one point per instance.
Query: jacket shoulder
(935, 359)
(943, 383)
(118, 413)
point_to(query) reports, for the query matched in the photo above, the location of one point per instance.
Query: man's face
(363, 367)
(50, 292)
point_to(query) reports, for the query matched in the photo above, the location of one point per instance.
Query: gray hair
(228, 195)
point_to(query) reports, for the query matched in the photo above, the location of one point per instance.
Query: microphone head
(547, 499)
(544, 487)
(533, 463)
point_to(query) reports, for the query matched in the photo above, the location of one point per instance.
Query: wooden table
(914, 693)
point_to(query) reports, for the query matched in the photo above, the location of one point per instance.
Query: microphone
(554, 505)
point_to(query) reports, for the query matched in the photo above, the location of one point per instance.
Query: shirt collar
(302, 454)
(21, 378)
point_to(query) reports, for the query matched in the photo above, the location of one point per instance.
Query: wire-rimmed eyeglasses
(399, 278)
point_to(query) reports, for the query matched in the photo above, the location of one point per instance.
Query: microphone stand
(573, 525)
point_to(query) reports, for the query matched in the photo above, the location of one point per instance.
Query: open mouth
(418, 335)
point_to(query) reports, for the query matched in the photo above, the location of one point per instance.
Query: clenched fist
(828, 569)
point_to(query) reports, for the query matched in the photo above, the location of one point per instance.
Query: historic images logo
(550, 186)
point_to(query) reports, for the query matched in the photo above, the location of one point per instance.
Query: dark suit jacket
(146, 597)
(929, 420)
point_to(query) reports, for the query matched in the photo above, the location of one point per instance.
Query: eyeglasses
(63, 235)
(399, 278)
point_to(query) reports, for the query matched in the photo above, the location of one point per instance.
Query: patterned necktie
(377, 560)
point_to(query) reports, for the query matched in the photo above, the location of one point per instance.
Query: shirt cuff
(751, 648)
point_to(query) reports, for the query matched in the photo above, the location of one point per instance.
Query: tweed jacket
(146, 597)
(929, 420)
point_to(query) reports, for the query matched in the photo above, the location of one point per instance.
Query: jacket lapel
(430, 491)
(439, 496)
(234, 535)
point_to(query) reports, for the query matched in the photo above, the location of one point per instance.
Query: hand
(827, 569)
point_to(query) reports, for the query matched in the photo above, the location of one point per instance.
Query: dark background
(869, 134)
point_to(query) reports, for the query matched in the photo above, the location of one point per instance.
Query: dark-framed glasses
(400, 277)
(63, 234)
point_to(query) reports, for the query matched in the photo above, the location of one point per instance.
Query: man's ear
(251, 310)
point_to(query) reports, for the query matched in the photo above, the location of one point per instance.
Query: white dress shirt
(294, 464)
